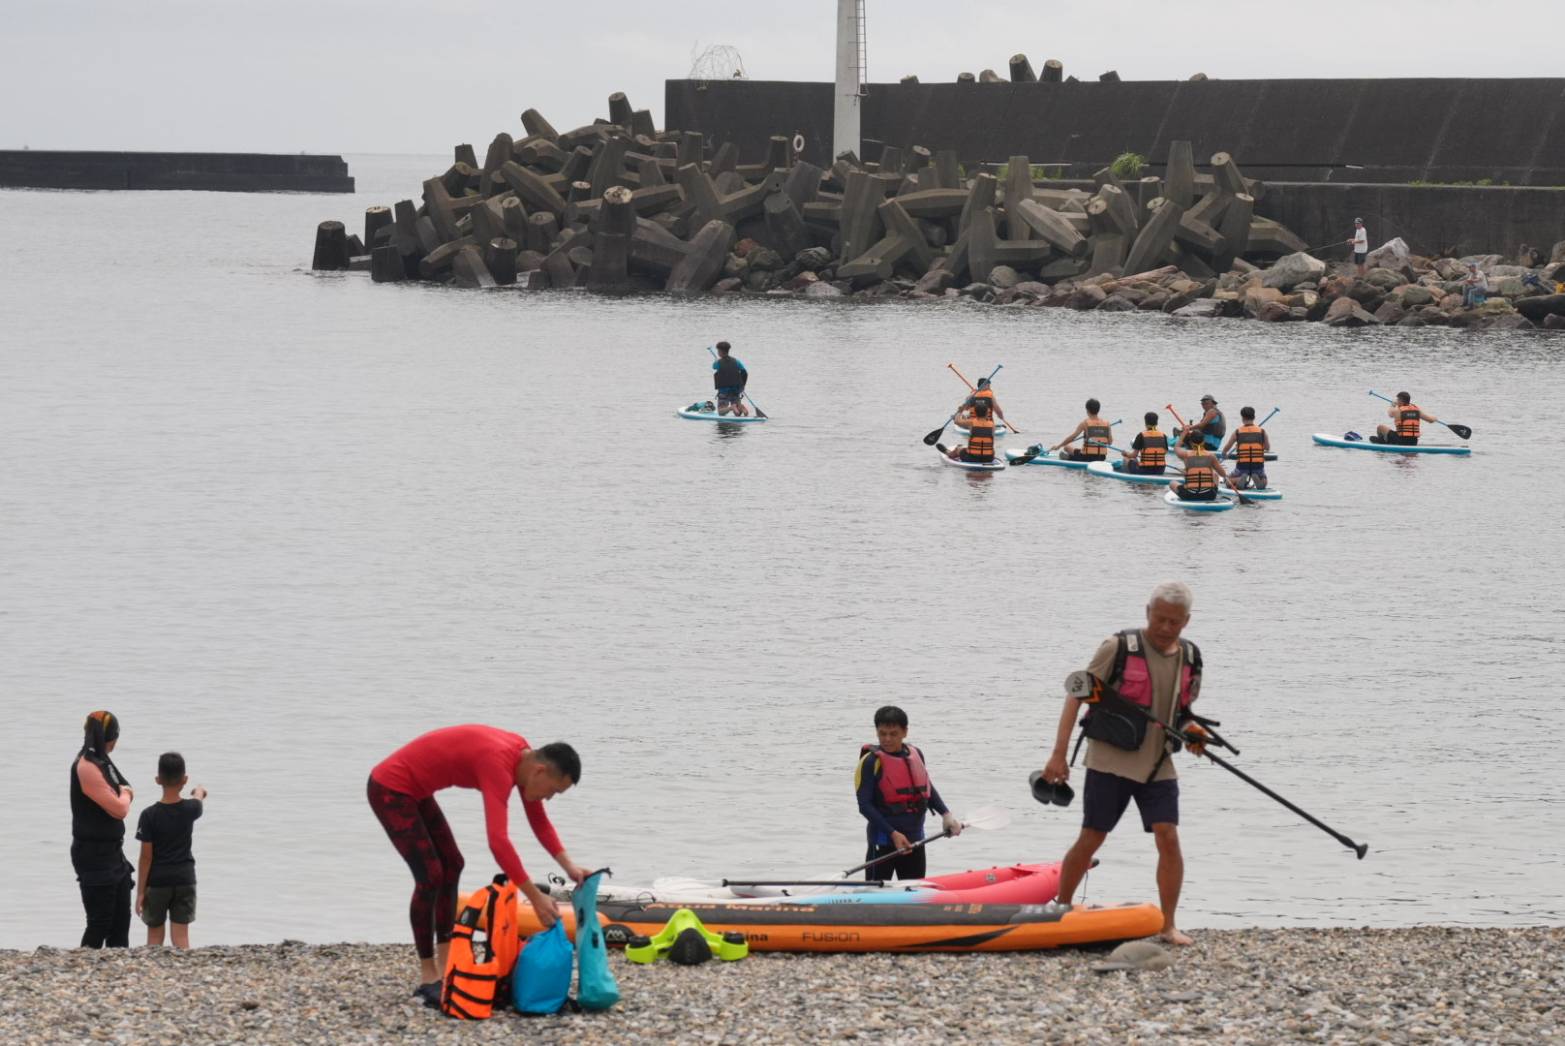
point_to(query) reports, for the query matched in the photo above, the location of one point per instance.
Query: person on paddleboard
(729, 378)
(980, 436)
(1202, 470)
(895, 794)
(496, 762)
(1095, 434)
(1149, 450)
(1212, 425)
(1405, 416)
(1250, 445)
(1128, 757)
(964, 414)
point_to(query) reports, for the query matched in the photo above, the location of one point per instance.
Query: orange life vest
(1250, 444)
(1154, 449)
(904, 782)
(1200, 473)
(476, 967)
(1094, 439)
(980, 439)
(1408, 418)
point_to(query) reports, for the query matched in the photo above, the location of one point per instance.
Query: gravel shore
(1427, 984)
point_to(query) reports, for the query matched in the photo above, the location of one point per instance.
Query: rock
(1366, 294)
(1385, 279)
(1554, 322)
(733, 265)
(1509, 287)
(1034, 289)
(1450, 269)
(1393, 254)
(813, 259)
(1154, 301)
(822, 289)
(1304, 299)
(1201, 309)
(1292, 269)
(935, 281)
(745, 246)
(1557, 253)
(1255, 297)
(1087, 296)
(1272, 312)
(1537, 309)
(1504, 323)
(763, 258)
(1334, 287)
(758, 280)
(1485, 262)
(1390, 312)
(1298, 312)
(1345, 312)
(801, 281)
(1003, 277)
(1138, 956)
(982, 291)
(1117, 302)
(727, 285)
(1414, 295)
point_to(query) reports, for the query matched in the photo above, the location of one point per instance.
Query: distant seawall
(1331, 150)
(213, 172)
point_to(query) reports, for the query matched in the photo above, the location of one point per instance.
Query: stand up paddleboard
(1385, 448)
(1108, 471)
(1047, 458)
(697, 412)
(1221, 504)
(970, 466)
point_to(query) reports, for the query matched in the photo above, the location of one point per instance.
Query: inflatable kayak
(1005, 884)
(1046, 458)
(971, 466)
(1108, 471)
(1385, 448)
(878, 927)
(699, 412)
(1221, 504)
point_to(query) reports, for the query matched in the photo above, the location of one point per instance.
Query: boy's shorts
(170, 903)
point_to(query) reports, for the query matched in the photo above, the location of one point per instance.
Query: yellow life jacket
(1200, 473)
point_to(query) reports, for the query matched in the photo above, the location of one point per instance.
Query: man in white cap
(1360, 242)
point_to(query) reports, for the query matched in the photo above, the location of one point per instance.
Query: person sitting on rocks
(1475, 287)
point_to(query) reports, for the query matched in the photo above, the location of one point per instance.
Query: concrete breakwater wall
(213, 172)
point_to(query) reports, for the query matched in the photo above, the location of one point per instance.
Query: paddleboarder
(1202, 469)
(1149, 450)
(729, 378)
(1250, 444)
(982, 391)
(895, 794)
(1212, 425)
(1095, 433)
(496, 762)
(1405, 416)
(1127, 758)
(980, 436)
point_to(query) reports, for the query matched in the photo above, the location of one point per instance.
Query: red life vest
(904, 783)
(1133, 679)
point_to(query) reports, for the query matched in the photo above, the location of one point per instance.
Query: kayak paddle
(970, 385)
(1242, 499)
(1080, 685)
(985, 818)
(934, 437)
(758, 411)
(1461, 430)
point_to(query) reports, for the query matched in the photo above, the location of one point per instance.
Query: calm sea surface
(284, 522)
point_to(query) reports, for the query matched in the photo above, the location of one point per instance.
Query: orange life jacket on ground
(1093, 440)
(904, 782)
(1408, 418)
(1200, 472)
(1250, 445)
(484, 945)
(1154, 450)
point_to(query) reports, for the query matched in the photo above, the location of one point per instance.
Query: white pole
(845, 113)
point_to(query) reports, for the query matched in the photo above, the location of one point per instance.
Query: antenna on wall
(852, 59)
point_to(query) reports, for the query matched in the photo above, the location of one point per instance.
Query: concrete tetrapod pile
(618, 206)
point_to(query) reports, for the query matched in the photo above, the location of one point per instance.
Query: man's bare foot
(1173, 935)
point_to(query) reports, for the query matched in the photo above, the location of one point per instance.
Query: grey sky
(398, 76)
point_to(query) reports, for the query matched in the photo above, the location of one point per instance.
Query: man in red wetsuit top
(494, 761)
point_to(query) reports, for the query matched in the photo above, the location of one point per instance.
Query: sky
(395, 76)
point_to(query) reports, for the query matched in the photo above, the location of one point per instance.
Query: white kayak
(1046, 458)
(970, 466)
(698, 412)
(1220, 504)
(1108, 471)
(1385, 448)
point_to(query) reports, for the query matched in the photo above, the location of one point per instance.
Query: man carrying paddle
(1127, 757)
(1405, 416)
(1095, 433)
(895, 793)
(729, 378)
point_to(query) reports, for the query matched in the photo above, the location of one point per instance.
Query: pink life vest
(904, 782)
(1133, 680)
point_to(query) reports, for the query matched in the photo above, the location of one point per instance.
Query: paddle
(984, 818)
(1009, 424)
(758, 411)
(1461, 430)
(1182, 424)
(934, 437)
(1080, 685)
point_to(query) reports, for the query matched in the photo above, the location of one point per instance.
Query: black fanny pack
(1116, 721)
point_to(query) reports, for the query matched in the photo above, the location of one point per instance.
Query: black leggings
(421, 835)
(910, 865)
(108, 914)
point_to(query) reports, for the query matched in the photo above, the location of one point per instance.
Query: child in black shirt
(166, 874)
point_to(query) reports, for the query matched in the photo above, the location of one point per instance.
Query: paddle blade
(987, 818)
(934, 437)
(1032, 452)
(1461, 430)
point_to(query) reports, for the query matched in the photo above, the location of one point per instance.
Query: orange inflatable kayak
(792, 927)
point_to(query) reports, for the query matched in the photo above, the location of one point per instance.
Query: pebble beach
(1425, 984)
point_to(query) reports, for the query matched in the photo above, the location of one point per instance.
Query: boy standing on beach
(895, 793)
(166, 873)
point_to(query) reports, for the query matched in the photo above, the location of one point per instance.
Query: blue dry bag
(595, 987)
(542, 983)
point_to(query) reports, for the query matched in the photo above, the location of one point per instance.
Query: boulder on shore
(1345, 312)
(1292, 269)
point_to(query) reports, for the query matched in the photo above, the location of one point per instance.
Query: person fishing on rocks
(1127, 756)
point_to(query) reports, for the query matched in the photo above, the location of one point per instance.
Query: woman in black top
(100, 801)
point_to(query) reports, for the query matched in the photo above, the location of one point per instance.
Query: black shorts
(1184, 493)
(1106, 796)
(1359, 256)
(1394, 440)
